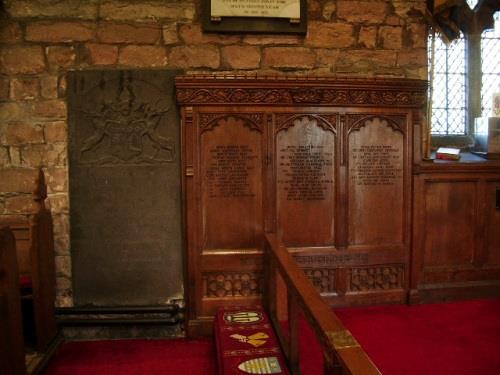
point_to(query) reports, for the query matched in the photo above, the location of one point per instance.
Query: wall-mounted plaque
(255, 8)
(255, 16)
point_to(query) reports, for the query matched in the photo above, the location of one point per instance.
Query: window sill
(463, 142)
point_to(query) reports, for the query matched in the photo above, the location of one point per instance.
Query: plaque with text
(255, 16)
(305, 184)
(231, 171)
(255, 8)
(125, 195)
(376, 182)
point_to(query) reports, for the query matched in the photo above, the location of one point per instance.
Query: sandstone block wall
(43, 39)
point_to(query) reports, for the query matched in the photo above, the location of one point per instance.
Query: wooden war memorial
(323, 163)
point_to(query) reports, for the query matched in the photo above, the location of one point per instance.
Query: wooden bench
(35, 262)
(11, 337)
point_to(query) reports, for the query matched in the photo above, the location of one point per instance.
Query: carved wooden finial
(40, 192)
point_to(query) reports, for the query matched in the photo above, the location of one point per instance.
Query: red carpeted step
(246, 343)
(444, 338)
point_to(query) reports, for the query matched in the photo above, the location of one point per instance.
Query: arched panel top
(361, 121)
(326, 122)
(253, 121)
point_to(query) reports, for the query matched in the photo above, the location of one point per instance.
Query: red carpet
(436, 339)
(135, 357)
(447, 338)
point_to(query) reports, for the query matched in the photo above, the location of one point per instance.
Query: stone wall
(43, 39)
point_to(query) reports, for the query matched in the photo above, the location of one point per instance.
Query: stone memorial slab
(125, 186)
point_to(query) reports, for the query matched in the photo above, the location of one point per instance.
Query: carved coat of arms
(125, 131)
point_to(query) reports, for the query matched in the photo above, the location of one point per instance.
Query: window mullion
(473, 78)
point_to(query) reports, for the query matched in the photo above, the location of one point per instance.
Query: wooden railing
(288, 293)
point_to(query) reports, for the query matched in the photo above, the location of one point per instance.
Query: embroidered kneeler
(246, 342)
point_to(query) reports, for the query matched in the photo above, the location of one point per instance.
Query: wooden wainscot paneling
(456, 246)
(323, 163)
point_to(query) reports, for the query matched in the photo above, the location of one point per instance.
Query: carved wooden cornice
(297, 91)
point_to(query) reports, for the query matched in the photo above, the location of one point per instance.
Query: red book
(448, 153)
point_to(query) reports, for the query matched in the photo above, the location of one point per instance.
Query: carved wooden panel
(375, 278)
(305, 181)
(125, 189)
(322, 278)
(231, 178)
(232, 284)
(376, 178)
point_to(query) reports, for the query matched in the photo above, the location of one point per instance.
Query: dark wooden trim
(456, 291)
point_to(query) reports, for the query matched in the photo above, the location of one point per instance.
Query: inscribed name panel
(231, 180)
(305, 189)
(375, 178)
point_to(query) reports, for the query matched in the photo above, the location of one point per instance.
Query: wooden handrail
(343, 354)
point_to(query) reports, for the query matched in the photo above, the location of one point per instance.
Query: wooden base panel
(455, 292)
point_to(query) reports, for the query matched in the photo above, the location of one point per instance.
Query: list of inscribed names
(228, 173)
(255, 8)
(305, 172)
(376, 165)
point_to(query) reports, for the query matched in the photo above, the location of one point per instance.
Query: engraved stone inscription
(228, 173)
(376, 165)
(304, 171)
(125, 187)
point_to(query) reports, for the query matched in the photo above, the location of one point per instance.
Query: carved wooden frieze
(323, 279)
(374, 278)
(232, 284)
(296, 91)
(331, 260)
